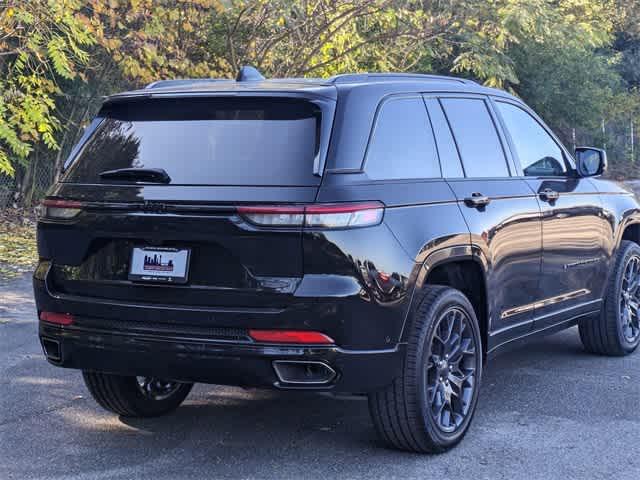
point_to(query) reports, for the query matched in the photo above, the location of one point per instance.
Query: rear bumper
(198, 345)
(226, 363)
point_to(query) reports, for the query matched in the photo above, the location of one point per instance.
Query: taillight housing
(323, 216)
(57, 318)
(54, 209)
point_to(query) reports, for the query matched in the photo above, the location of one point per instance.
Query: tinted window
(402, 144)
(449, 159)
(241, 141)
(538, 153)
(476, 137)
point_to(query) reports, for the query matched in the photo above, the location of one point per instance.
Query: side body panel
(421, 217)
(575, 258)
(505, 233)
(508, 235)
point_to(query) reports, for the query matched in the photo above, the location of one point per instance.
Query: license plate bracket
(159, 265)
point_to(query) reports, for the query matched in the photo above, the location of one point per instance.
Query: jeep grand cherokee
(376, 234)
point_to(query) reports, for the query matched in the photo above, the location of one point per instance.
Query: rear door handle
(549, 195)
(477, 200)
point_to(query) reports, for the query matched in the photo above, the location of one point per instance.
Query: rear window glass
(205, 141)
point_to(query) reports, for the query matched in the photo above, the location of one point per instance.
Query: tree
(285, 38)
(41, 42)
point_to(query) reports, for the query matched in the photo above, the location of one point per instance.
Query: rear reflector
(331, 215)
(59, 209)
(290, 336)
(57, 318)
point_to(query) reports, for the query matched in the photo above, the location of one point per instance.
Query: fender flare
(440, 257)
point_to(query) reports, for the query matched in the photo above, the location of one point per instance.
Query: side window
(449, 159)
(476, 137)
(539, 154)
(402, 144)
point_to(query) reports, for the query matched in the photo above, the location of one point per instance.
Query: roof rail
(376, 77)
(184, 81)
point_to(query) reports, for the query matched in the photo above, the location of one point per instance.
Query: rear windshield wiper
(153, 175)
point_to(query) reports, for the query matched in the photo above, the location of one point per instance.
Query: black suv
(379, 234)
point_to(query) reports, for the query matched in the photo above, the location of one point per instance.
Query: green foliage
(40, 42)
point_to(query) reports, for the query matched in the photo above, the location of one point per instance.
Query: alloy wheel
(451, 370)
(629, 300)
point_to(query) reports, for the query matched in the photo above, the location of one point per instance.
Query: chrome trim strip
(568, 321)
(544, 303)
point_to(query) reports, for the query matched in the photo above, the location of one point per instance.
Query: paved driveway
(547, 411)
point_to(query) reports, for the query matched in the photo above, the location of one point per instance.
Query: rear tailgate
(219, 153)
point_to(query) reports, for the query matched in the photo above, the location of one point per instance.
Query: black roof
(322, 87)
(345, 78)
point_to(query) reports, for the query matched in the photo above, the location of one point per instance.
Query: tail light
(291, 336)
(331, 215)
(59, 209)
(57, 318)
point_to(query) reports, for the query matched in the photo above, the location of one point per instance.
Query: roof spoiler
(245, 74)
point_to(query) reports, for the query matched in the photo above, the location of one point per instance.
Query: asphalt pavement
(547, 411)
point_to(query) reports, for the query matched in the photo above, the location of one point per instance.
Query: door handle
(477, 200)
(549, 195)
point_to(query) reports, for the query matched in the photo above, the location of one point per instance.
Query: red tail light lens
(57, 318)
(59, 209)
(332, 215)
(291, 336)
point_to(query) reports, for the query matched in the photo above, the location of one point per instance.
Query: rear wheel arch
(462, 268)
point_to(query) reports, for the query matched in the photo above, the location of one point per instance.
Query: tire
(403, 413)
(126, 396)
(606, 333)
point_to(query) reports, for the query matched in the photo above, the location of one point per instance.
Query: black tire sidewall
(123, 396)
(447, 299)
(628, 249)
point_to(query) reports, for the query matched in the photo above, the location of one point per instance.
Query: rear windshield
(205, 141)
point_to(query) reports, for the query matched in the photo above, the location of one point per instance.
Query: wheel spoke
(455, 349)
(450, 325)
(446, 418)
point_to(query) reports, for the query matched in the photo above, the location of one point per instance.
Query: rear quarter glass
(205, 141)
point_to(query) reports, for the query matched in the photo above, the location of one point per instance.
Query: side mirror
(591, 161)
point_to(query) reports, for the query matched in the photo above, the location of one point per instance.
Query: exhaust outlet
(303, 372)
(52, 349)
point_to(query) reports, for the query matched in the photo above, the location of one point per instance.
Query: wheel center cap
(443, 369)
